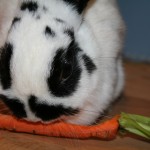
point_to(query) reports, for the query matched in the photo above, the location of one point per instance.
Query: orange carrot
(106, 130)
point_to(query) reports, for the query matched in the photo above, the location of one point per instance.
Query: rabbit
(61, 59)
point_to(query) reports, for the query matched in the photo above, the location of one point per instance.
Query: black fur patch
(90, 66)
(59, 20)
(15, 106)
(38, 17)
(79, 4)
(45, 9)
(65, 71)
(15, 20)
(49, 31)
(29, 5)
(5, 58)
(49, 112)
(70, 33)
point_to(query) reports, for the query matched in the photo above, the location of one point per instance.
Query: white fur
(99, 36)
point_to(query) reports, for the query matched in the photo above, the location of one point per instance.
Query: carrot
(106, 130)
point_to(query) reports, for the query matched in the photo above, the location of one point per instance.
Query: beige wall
(7, 11)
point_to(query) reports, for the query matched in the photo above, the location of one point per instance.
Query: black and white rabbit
(60, 59)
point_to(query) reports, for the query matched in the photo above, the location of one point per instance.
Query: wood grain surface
(136, 99)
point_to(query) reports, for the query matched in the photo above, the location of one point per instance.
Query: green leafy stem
(136, 124)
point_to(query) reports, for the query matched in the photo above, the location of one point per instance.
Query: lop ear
(79, 4)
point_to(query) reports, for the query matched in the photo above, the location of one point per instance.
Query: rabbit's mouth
(41, 111)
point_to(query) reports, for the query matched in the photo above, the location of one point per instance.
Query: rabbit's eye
(65, 72)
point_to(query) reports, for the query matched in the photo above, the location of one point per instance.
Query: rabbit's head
(44, 73)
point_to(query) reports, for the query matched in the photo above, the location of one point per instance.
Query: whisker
(90, 111)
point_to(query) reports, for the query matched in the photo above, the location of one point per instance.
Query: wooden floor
(136, 99)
